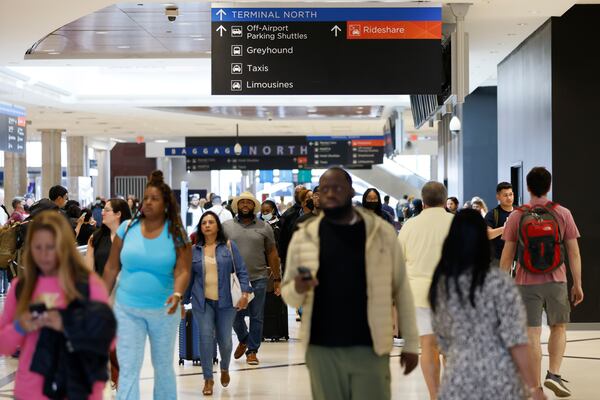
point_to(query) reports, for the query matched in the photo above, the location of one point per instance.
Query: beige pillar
(75, 156)
(51, 168)
(102, 186)
(15, 177)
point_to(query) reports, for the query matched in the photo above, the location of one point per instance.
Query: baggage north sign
(326, 51)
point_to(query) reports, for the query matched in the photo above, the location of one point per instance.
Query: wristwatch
(178, 295)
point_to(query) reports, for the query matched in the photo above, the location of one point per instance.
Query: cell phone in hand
(305, 273)
(37, 309)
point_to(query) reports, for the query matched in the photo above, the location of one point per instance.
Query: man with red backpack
(543, 235)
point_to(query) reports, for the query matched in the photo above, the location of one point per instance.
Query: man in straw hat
(254, 239)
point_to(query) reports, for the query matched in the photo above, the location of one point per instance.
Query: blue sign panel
(325, 14)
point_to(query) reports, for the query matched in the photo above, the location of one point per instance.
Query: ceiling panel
(130, 30)
(358, 112)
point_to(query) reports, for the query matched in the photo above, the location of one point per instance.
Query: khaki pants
(345, 373)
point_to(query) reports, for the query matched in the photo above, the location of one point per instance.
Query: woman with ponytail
(153, 254)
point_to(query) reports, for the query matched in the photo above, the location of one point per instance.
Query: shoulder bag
(236, 287)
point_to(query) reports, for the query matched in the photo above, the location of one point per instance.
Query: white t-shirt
(196, 215)
(422, 239)
(3, 217)
(223, 213)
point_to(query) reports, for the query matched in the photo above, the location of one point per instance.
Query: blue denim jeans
(3, 281)
(214, 320)
(256, 311)
(133, 325)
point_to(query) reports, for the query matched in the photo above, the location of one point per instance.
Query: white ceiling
(102, 97)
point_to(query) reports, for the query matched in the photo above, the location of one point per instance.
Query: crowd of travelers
(447, 273)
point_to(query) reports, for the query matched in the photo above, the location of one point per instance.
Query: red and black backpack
(541, 245)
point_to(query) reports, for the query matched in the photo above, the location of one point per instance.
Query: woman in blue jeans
(214, 259)
(153, 254)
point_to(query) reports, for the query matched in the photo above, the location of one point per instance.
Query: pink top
(29, 385)
(567, 228)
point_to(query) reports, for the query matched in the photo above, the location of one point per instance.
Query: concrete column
(75, 156)
(102, 181)
(15, 177)
(51, 168)
(164, 164)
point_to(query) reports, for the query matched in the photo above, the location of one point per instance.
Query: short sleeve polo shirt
(254, 240)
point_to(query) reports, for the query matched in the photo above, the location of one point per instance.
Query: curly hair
(176, 230)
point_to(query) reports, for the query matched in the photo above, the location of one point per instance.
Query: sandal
(208, 387)
(225, 378)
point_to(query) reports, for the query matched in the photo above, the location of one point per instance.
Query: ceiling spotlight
(101, 33)
(161, 141)
(123, 47)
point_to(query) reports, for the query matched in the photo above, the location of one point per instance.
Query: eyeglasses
(105, 209)
(333, 188)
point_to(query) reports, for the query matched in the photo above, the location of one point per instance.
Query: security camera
(455, 125)
(172, 12)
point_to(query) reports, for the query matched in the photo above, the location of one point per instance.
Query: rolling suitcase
(275, 325)
(189, 339)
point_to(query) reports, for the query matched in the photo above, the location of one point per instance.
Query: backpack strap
(496, 217)
(131, 222)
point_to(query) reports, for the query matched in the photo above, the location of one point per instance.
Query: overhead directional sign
(392, 49)
(280, 152)
(13, 126)
(351, 151)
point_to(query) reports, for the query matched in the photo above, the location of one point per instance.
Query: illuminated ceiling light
(161, 141)
(123, 47)
(101, 33)
(53, 53)
(199, 38)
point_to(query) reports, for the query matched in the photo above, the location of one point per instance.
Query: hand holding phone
(37, 309)
(305, 273)
(304, 281)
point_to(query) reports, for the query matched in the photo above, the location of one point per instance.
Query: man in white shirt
(422, 239)
(223, 213)
(196, 210)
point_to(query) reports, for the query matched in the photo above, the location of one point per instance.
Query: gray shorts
(552, 297)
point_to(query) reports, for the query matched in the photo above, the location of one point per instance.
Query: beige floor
(282, 375)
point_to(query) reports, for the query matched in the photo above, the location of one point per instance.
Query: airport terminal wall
(548, 92)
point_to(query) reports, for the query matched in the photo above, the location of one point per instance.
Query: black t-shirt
(102, 245)
(339, 316)
(496, 218)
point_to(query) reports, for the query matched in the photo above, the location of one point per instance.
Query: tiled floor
(282, 374)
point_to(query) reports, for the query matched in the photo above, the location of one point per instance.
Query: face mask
(310, 204)
(371, 205)
(267, 217)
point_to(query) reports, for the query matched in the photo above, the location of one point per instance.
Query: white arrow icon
(336, 29)
(221, 14)
(221, 29)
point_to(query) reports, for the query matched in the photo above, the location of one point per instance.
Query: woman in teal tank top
(153, 255)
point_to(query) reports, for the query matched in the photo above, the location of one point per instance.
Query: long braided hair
(172, 217)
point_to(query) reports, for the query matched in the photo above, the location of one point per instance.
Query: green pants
(348, 373)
